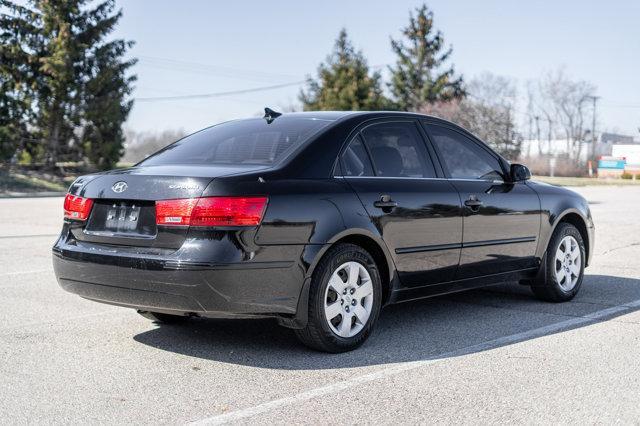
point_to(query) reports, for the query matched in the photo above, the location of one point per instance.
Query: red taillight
(211, 211)
(228, 211)
(76, 207)
(175, 212)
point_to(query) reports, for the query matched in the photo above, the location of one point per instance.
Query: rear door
(501, 219)
(417, 212)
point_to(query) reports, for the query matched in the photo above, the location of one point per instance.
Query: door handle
(473, 203)
(385, 203)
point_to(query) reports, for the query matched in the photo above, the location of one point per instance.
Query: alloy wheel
(348, 300)
(568, 263)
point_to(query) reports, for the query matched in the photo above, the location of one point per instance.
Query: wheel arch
(314, 253)
(375, 246)
(575, 218)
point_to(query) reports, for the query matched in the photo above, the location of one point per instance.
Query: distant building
(630, 153)
(532, 148)
(614, 138)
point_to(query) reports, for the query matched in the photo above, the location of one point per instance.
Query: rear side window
(397, 150)
(355, 160)
(251, 141)
(463, 157)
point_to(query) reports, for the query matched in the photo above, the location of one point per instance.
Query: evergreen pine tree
(106, 91)
(59, 96)
(344, 82)
(420, 76)
(16, 78)
(79, 82)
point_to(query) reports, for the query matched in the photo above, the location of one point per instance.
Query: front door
(418, 214)
(501, 219)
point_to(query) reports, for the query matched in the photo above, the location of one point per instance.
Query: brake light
(211, 211)
(175, 212)
(76, 207)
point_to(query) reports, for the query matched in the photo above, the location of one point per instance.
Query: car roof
(320, 152)
(336, 115)
(321, 115)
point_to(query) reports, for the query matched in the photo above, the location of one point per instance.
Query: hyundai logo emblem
(119, 187)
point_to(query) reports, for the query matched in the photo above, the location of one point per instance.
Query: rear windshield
(251, 141)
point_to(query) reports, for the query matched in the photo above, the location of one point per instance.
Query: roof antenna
(271, 115)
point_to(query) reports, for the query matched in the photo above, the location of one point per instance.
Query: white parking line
(36, 271)
(29, 236)
(52, 322)
(387, 372)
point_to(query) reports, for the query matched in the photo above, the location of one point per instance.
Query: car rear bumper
(172, 285)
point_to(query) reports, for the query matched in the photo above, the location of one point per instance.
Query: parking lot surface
(492, 355)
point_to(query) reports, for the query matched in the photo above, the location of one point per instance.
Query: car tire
(345, 289)
(562, 272)
(160, 318)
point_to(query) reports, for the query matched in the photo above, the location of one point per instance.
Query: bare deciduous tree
(139, 145)
(564, 105)
(488, 111)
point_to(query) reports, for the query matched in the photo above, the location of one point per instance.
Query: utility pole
(537, 118)
(549, 129)
(593, 128)
(552, 156)
(508, 141)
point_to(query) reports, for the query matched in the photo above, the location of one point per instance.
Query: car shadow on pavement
(413, 331)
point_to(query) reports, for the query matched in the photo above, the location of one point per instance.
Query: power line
(189, 66)
(219, 94)
(620, 105)
(215, 70)
(197, 67)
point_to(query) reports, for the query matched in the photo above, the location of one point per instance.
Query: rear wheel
(160, 318)
(344, 300)
(564, 271)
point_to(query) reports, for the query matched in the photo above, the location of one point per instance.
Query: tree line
(64, 87)
(421, 76)
(421, 80)
(424, 80)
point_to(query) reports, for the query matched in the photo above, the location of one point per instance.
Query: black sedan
(317, 219)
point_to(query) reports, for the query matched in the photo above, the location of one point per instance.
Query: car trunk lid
(124, 202)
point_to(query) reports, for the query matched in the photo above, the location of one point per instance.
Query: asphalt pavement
(489, 356)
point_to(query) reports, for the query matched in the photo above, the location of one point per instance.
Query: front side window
(251, 141)
(397, 150)
(463, 157)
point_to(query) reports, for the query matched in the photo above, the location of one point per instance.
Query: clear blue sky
(192, 47)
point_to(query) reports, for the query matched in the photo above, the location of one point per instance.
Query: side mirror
(519, 173)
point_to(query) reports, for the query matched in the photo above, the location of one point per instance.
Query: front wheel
(344, 300)
(565, 259)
